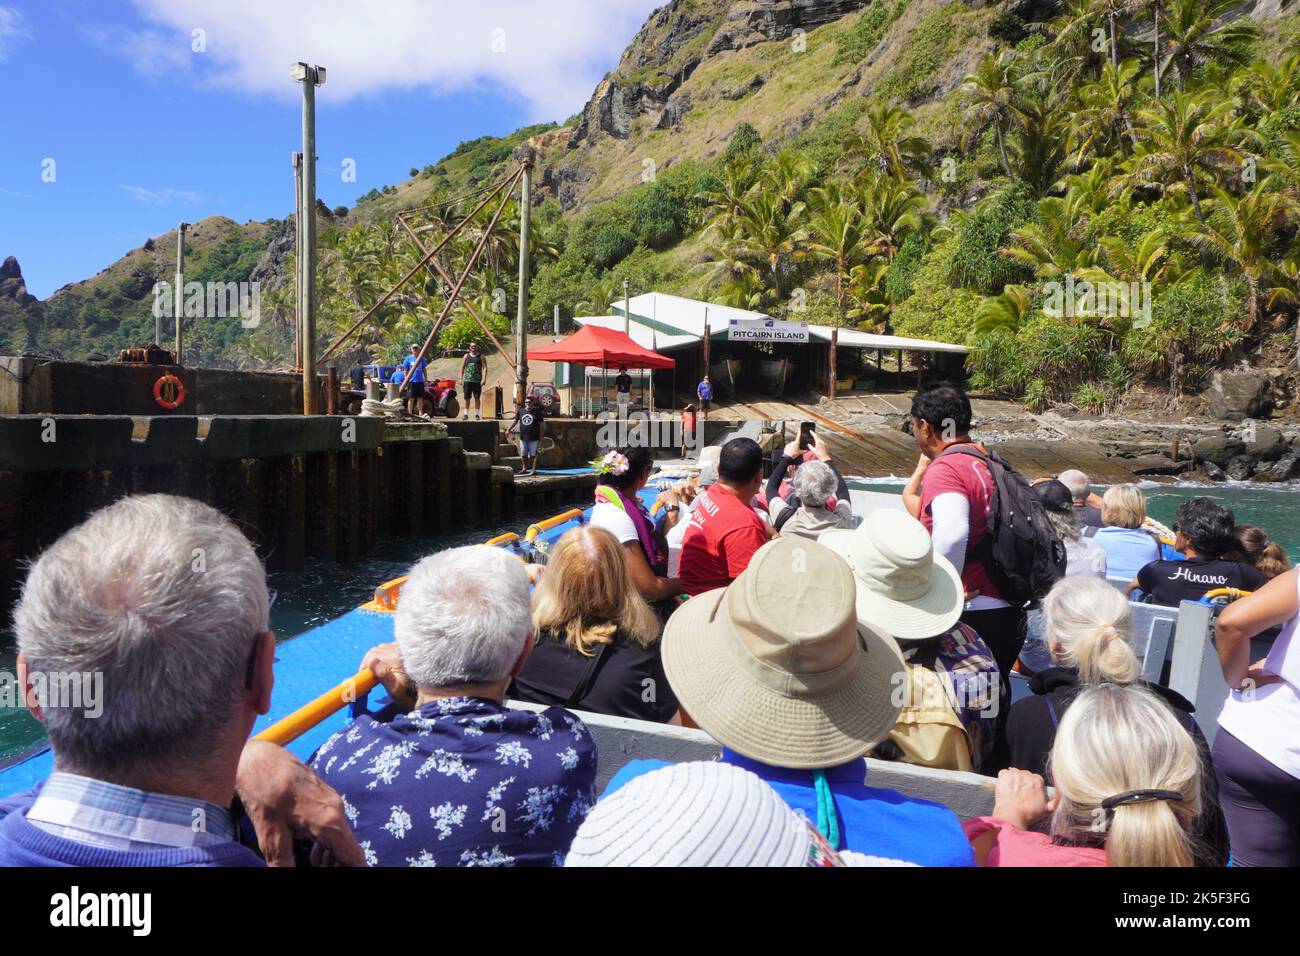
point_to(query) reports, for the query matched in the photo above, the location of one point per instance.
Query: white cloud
(12, 31)
(166, 196)
(548, 53)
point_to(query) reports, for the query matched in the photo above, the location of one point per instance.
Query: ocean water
(323, 590)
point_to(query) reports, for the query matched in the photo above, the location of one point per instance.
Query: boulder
(1219, 449)
(1285, 468)
(1237, 395)
(1267, 444)
(1240, 468)
(1212, 471)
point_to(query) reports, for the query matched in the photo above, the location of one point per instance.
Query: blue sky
(156, 111)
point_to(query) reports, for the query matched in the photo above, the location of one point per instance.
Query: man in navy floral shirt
(449, 776)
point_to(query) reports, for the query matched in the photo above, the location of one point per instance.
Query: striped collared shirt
(122, 818)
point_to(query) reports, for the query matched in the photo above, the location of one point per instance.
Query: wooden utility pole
(521, 315)
(179, 297)
(705, 343)
(835, 340)
(297, 268)
(310, 77)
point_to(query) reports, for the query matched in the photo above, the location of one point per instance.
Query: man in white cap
(776, 668)
(953, 691)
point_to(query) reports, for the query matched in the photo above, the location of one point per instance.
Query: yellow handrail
(507, 538)
(308, 716)
(535, 529)
(1233, 593)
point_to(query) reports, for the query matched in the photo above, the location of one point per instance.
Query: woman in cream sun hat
(903, 587)
(948, 719)
(777, 669)
(775, 666)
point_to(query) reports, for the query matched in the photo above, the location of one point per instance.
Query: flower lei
(612, 463)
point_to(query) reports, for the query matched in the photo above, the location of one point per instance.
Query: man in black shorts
(416, 397)
(473, 369)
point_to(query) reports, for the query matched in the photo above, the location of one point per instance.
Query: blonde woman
(1087, 627)
(1128, 548)
(597, 640)
(1128, 791)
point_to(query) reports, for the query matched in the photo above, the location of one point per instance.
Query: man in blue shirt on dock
(413, 368)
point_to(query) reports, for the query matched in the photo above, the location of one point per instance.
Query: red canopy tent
(593, 345)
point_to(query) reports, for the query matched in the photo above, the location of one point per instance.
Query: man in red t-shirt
(953, 500)
(724, 531)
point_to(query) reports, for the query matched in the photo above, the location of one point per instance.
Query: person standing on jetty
(704, 392)
(622, 391)
(413, 368)
(473, 370)
(528, 420)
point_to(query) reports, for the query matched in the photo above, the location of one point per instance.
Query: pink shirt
(1014, 847)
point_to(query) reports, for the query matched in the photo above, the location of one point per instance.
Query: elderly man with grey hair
(1087, 506)
(817, 499)
(446, 775)
(151, 620)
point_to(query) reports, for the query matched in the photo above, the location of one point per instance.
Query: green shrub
(935, 310)
(1090, 397)
(975, 262)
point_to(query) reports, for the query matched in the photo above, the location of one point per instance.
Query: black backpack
(1022, 552)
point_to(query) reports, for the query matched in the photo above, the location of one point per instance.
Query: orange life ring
(176, 390)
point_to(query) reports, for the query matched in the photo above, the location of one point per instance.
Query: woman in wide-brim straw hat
(904, 587)
(777, 669)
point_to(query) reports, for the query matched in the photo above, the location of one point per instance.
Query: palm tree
(1104, 108)
(837, 236)
(1073, 40)
(989, 92)
(887, 145)
(1004, 311)
(1200, 31)
(770, 233)
(891, 211)
(1239, 231)
(1056, 244)
(1040, 138)
(786, 176)
(725, 197)
(1187, 139)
